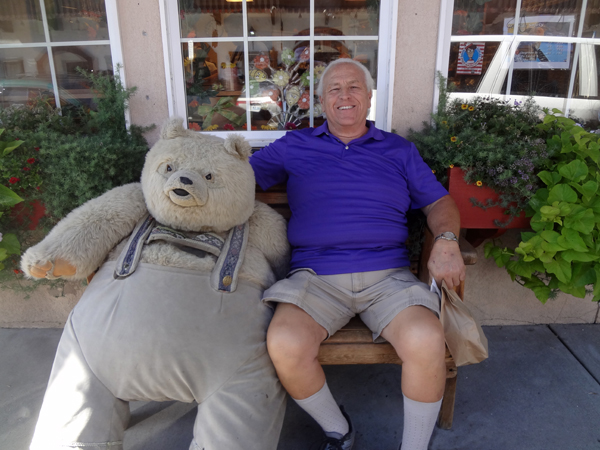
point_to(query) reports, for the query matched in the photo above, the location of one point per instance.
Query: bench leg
(447, 410)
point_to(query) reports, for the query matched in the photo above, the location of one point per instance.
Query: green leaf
(593, 204)
(575, 171)
(582, 221)
(562, 193)
(3, 254)
(526, 235)
(593, 151)
(568, 288)
(8, 198)
(203, 110)
(572, 255)
(546, 177)
(560, 268)
(10, 244)
(588, 189)
(597, 283)
(573, 240)
(521, 268)
(583, 274)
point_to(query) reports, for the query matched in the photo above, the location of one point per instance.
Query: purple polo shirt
(348, 201)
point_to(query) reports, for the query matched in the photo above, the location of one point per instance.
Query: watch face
(449, 235)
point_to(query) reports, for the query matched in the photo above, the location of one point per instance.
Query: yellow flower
(432, 170)
(451, 166)
(471, 108)
(479, 183)
(464, 106)
(454, 139)
(267, 127)
(444, 122)
(212, 127)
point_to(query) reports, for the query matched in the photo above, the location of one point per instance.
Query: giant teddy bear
(175, 311)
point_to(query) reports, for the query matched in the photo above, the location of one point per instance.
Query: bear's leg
(78, 411)
(245, 413)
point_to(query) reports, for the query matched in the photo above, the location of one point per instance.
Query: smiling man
(349, 188)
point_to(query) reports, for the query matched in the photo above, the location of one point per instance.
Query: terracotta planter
(472, 216)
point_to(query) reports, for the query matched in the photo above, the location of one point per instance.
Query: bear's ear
(238, 146)
(173, 128)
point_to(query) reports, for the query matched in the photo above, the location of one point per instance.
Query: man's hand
(446, 263)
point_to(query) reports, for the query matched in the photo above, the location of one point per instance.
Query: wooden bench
(353, 344)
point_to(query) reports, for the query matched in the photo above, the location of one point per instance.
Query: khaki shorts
(332, 300)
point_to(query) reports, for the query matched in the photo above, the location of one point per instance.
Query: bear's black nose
(185, 180)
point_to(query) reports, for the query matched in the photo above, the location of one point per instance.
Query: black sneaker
(345, 442)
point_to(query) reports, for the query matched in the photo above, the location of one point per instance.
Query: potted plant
(562, 252)
(486, 150)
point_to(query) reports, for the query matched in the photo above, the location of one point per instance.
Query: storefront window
(44, 42)
(254, 66)
(543, 48)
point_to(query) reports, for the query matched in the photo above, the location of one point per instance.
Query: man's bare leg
(293, 341)
(418, 338)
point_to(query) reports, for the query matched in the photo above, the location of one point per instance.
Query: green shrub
(562, 253)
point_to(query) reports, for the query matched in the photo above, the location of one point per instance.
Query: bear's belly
(165, 334)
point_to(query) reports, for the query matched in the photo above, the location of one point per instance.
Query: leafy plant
(223, 108)
(9, 244)
(562, 252)
(496, 142)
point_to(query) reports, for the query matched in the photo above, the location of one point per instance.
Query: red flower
(194, 126)
(16, 271)
(26, 169)
(193, 103)
(290, 126)
(37, 149)
(14, 180)
(228, 127)
(30, 160)
(17, 139)
(304, 102)
(38, 188)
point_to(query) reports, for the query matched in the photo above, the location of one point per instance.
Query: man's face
(470, 52)
(346, 99)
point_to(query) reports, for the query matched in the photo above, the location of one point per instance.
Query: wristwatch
(447, 235)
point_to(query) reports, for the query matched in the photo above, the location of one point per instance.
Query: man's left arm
(445, 262)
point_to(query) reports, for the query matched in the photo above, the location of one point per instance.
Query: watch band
(447, 236)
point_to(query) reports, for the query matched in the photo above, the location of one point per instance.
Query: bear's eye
(169, 168)
(208, 177)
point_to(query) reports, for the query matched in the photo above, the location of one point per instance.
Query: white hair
(368, 78)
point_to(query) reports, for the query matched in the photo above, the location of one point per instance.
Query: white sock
(419, 420)
(322, 407)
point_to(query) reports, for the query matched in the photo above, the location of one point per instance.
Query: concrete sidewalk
(539, 390)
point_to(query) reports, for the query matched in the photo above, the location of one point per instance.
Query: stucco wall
(139, 23)
(416, 48)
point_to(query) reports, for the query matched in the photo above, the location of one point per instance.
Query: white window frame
(382, 99)
(114, 42)
(504, 63)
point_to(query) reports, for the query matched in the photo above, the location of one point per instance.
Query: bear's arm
(268, 232)
(87, 234)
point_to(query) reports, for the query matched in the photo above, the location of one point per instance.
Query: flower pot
(472, 216)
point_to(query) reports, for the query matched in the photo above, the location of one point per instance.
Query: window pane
(76, 20)
(586, 99)
(549, 17)
(21, 22)
(210, 18)
(542, 69)
(591, 24)
(349, 18)
(73, 88)
(484, 75)
(275, 18)
(214, 78)
(481, 17)
(24, 74)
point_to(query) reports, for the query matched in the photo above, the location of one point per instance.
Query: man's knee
(293, 336)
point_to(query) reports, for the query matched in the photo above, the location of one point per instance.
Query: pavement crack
(573, 353)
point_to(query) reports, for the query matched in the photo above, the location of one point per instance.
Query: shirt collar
(372, 132)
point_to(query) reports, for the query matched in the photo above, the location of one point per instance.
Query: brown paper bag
(464, 336)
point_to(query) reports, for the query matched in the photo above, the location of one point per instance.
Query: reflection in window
(272, 86)
(78, 38)
(530, 51)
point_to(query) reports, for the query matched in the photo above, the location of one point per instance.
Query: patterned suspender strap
(130, 256)
(224, 276)
(208, 242)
